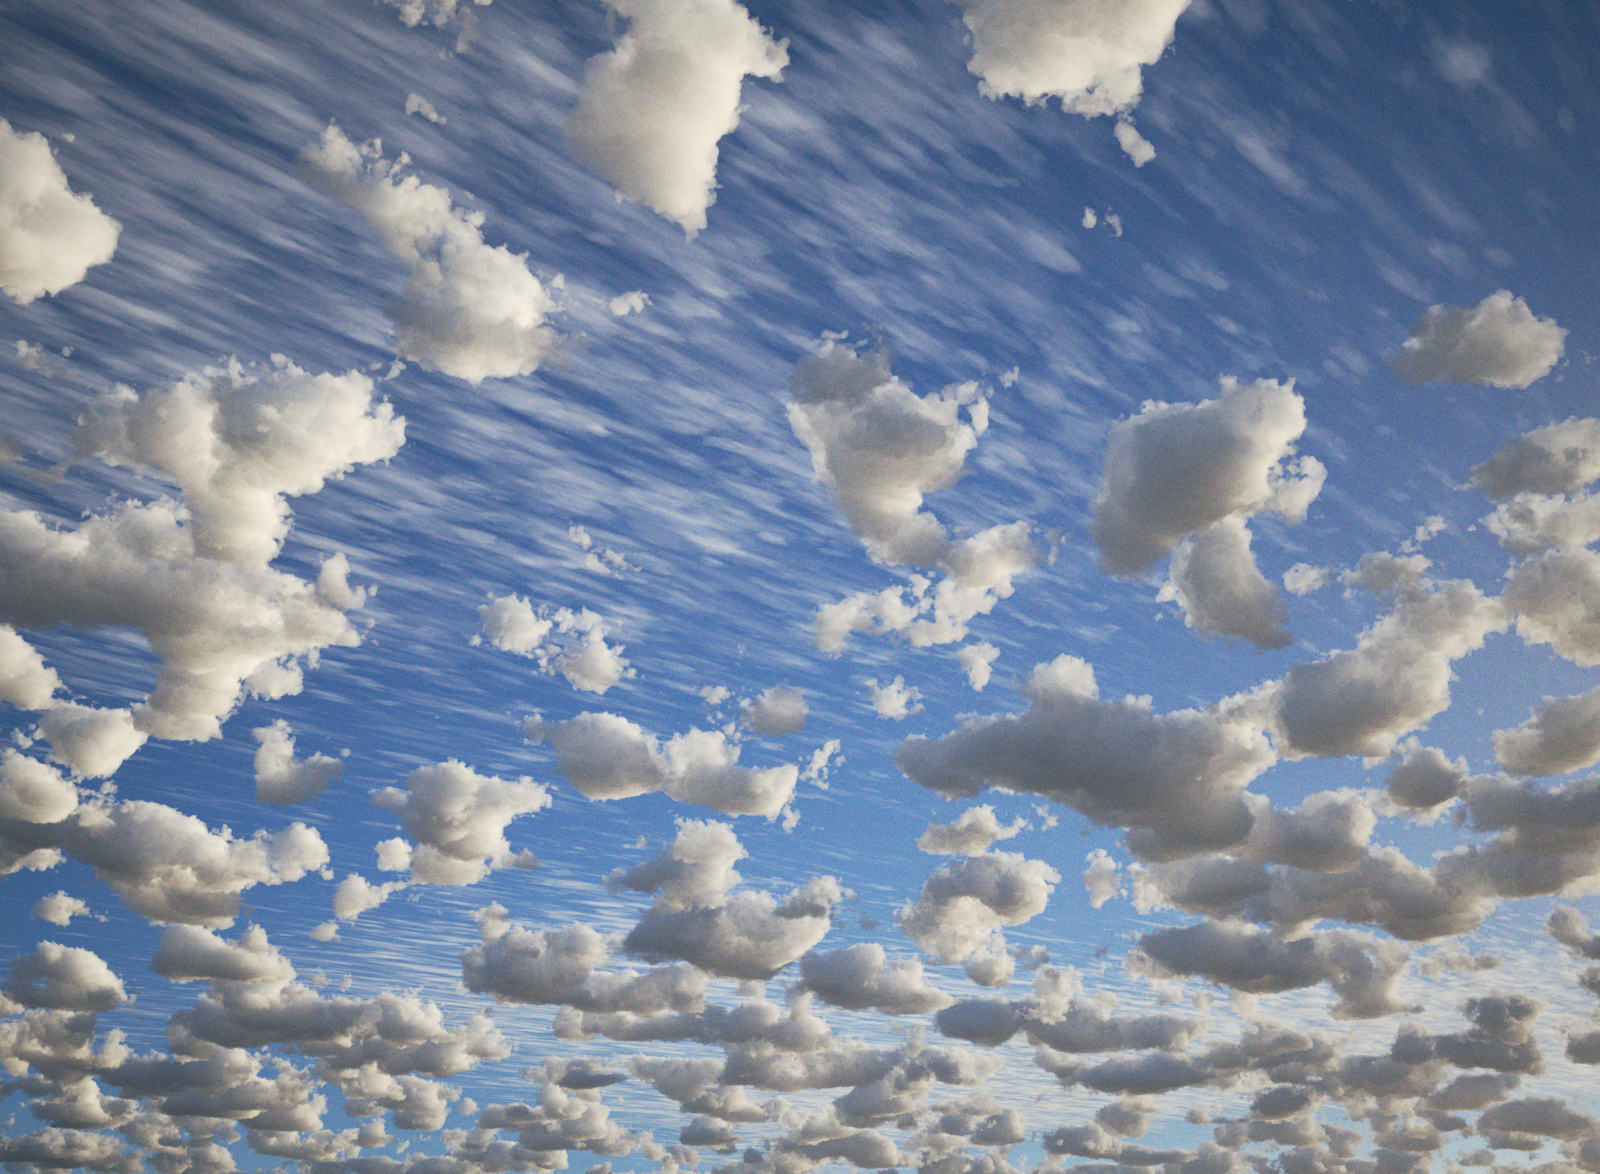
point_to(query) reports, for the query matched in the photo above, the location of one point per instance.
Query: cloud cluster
(468, 309)
(458, 819)
(652, 111)
(50, 235)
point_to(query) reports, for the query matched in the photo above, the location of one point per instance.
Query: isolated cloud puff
(572, 643)
(1087, 53)
(283, 778)
(776, 712)
(1555, 459)
(458, 819)
(1183, 479)
(1562, 735)
(606, 756)
(468, 309)
(652, 111)
(1498, 342)
(50, 236)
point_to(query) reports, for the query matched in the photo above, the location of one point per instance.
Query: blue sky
(1327, 180)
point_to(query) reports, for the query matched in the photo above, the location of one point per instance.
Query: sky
(978, 586)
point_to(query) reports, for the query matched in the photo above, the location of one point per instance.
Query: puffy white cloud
(1397, 678)
(59, 908)
(435, 12)
(652, 110)
(977, 661)
(1530, 523)
(519, 965)
(965, 902)
(860, 977)
(632, 302)
(1088, 53)
(1216, 582)
(64, 978)
(420, 106)
(50, 236)
(701, 917)
(25, 680)
(606, 756)
(1102, 877)
(1061, 1016)
(1562, 735)
(895, 700)
(33, 791)
(1425, 778)
(1557, 458)
(459, 819)
(777, 712)
(1549, 594)
(972, 833)
(1183, 479)
(881, 449)
(238, 442)
(1175, 778)
(283, 778)
(92, 742)
(1498, 342)
(572, 643)
(1362, 970)
(1134, 145)
(189, 953)
(468, 309)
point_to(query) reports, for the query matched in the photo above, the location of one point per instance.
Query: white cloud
(860, 977)
(280, 776)
(1557, 458)
(1183, 479)
(895, 700)
(50, 236)
(420, 106)
(964, 903)
(25, 680)
(609, 757)
(652, 110)
(1087, 53)
(1562, 735)
(632, 302)
(92, 742)
(572, 643)
(1550, 596)
(1101, 877)
(777, 712)
(64, 978)
(59, 908)
(1134, 145)
(33, 791)
(468, 309)
(1498, 342)
(976, 661)
(458, 819)
(972, 833)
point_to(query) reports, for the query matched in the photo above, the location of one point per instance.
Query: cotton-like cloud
(1425, 778)
(977, 661)
(894, 699)
(1365, 699)
(701, 917)
(652, 110)
(777, 712)
(92, 742)
(881, 449)
(965, 902)
(59, 908)
(190, 953)
(519, 965)
(1088, 54)
(1062, 1016)
(283, 778)
(1175, 778)
(238, 442)
(468, 309)
(1549, 594)
(860, 977)
(1183, 479)
(32, 791)
(458, 819)
(50, 235)
(1556, 458)
(972, 833)
(572, 643)
(606, 756)
(25, 680)
(63, 978)
(1498, 342)
(439, 13)
(1562, 735)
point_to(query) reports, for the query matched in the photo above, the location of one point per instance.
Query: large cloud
(1562, 736)
(1498, 342)
(1556, 458)
(652, 111)
(1183, 479)
(880, 448)
(1087, 53)
(468, 309)
(1176, 778)
(50, 236)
